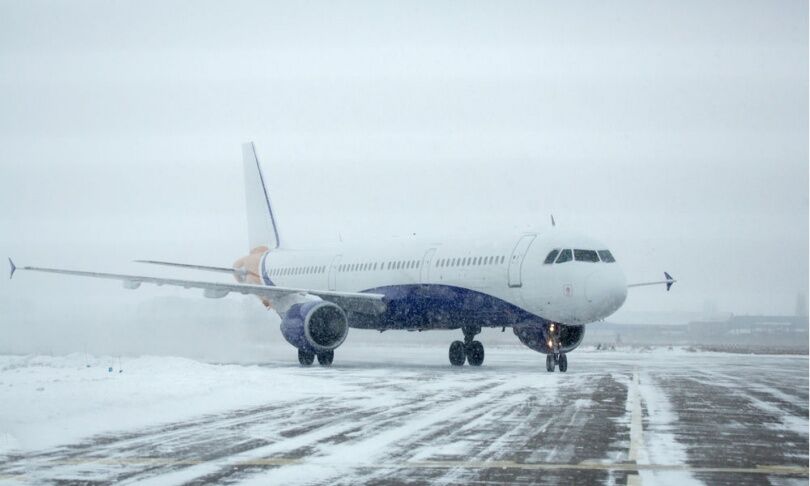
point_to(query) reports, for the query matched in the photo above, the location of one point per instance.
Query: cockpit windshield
(606, 256)
(565, 256)
(558, 255)
(586, 256)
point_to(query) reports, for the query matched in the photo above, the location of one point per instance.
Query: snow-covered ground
(401, 412)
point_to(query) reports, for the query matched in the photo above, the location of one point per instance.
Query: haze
(675, 132)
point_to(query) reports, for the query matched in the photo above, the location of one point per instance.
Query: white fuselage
(503, 279)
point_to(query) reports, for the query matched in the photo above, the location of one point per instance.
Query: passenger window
(586, 256)
(551, 256)
(606, 256)
(565, 256)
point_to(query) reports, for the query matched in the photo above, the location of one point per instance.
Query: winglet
(669, 280)
(12, 268)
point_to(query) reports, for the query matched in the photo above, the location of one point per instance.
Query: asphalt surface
(613, 418)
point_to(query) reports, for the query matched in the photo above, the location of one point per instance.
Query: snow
(47, 401)
(383, 408)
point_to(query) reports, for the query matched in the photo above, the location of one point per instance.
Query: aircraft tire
(457, 353)
(563, 363)
(475, 353)
(305, 357)
(325, 358)
(550, 363)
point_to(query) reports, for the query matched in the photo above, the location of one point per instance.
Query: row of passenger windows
(297, 270)
(468, 261)
(371, 266)
(392, 265)
(561, 256)
(348, 267)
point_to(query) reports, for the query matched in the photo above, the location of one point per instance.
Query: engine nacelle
(315, 326)
(536, 338)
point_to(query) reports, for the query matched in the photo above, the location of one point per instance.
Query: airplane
(547, 286)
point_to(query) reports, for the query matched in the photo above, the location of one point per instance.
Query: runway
(402, 416)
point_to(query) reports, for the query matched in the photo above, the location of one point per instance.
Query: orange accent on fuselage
(250, 264)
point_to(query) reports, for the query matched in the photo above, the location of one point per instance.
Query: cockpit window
(586, 256)
(565, 256)
(606, 256)
(552, 255)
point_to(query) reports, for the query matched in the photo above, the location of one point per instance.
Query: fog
(675, 132)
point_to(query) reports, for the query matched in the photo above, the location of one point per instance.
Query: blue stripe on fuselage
(431, 306)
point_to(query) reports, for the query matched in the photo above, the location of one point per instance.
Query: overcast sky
(676, 132)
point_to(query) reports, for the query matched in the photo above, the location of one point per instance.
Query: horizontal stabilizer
(668, 282)
(239, 272)
(12, 267)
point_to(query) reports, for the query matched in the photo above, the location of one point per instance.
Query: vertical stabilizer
(262, 228)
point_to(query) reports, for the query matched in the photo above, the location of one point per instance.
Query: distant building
(772, 331)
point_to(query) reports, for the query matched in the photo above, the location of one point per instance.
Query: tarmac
(403, 416)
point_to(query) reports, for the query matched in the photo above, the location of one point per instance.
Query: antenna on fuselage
(552, 221)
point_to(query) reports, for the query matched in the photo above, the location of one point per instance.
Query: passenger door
(333, 270)
(424, 269)
(516, 259)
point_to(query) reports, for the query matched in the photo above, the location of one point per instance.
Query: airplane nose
(606, 289)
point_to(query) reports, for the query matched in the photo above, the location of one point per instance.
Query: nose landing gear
(555, 357)
(471, 350)
(554, 360)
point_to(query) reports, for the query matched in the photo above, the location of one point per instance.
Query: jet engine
(316, 326)
(537, 338)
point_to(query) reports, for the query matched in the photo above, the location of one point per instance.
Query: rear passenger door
(424, 268)
(333, 270)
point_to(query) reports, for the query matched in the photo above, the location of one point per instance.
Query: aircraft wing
(365, 303)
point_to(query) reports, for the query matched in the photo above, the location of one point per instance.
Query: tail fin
(262, 228)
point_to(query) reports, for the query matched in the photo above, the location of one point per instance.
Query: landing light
(550, 343)
(551, 327)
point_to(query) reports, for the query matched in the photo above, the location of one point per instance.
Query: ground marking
(636, 428)
(617, 466)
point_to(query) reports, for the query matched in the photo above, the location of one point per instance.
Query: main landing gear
(325, 358)
(472, 351)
